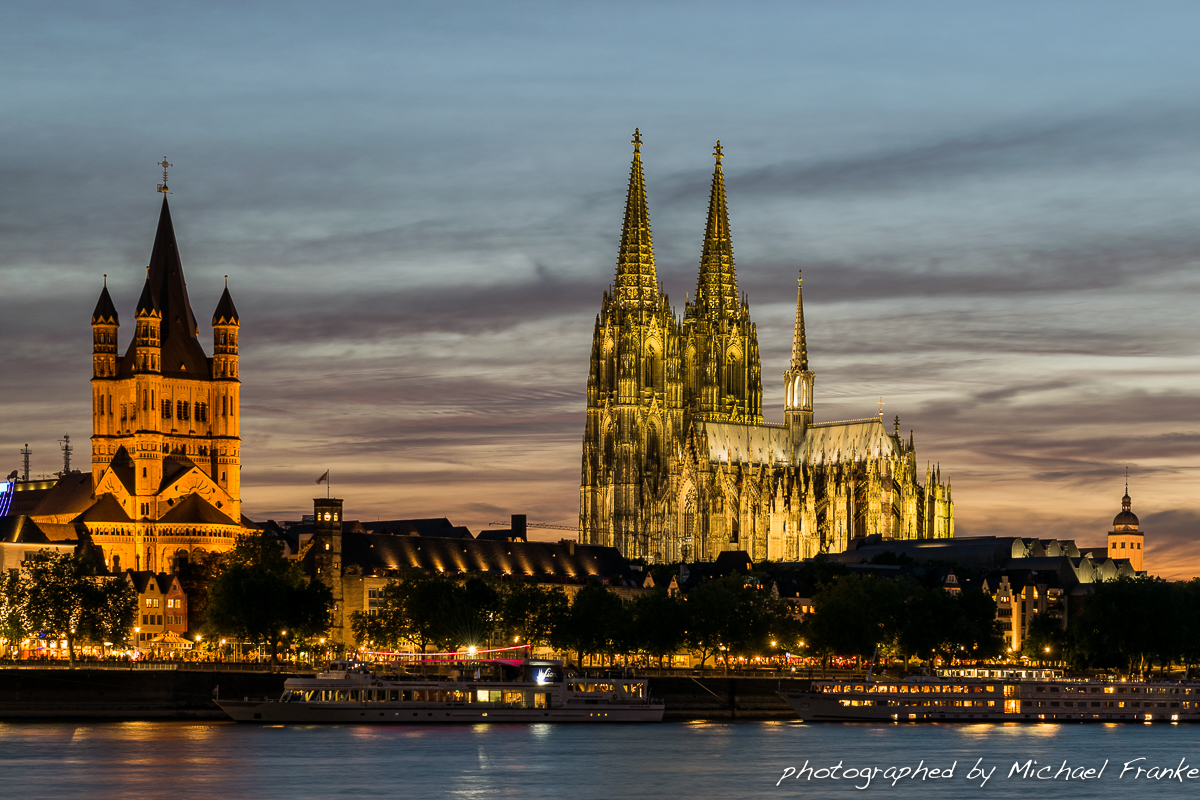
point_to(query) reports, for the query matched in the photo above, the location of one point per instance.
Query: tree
(14, 619)
(595, 623)
(422, 609)
(732, 616)
(110, 612)
(259, 594)
(61, 588)
(532, 612)
(854, 615)
(1044, 637)
(195, 577)
(659, 624)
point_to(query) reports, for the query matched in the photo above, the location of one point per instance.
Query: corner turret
(105, 323)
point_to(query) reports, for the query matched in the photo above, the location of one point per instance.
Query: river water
(223, 761)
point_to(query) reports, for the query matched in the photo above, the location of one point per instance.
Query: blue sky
(994, 205)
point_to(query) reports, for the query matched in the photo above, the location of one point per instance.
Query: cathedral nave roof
(834, 442)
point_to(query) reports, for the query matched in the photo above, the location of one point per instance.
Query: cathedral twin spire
(716, 288)
(637, 280)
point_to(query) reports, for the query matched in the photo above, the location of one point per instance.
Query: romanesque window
(166, 409)
(182, 410)
(225, 405)
(202, 412)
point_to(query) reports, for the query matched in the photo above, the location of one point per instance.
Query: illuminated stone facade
(678, 464)
(166, 448)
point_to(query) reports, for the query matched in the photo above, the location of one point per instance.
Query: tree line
(720, 619)
(866, 616)
(1131, 625)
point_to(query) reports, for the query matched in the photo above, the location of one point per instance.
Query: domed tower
(1125, 540)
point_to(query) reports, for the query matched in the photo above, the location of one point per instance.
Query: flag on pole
(324, 478)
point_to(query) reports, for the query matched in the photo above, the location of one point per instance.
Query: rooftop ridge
(844, 422)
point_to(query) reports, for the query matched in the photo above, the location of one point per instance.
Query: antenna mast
(66, 451)
(25, 454)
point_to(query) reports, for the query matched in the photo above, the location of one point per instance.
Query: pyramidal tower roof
(226, 312)
(799, 340)
(637, 281)
(716, 288)
(105, 311)
(148, 304)
(182, 355)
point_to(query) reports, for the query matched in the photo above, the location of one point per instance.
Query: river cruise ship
(996, 694)
(493, 691)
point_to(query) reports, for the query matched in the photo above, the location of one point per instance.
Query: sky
(418, 206)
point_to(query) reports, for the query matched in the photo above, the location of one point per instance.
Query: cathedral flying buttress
(678, 463)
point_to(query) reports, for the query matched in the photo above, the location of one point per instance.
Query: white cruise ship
(518, 691)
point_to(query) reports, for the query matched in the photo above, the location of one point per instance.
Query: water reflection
(694, 760)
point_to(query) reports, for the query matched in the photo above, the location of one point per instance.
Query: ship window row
(1118, 689)
(1108, 704)
(514, 699)
(910, 689)
(923, 703)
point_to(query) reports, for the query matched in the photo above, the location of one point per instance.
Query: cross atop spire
(799, 341)
(716, 288)
(162, 187)
(637, 281)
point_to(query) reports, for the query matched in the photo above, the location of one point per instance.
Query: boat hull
(266, 712)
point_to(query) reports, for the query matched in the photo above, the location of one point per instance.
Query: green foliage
(60, 594)
(195, 577)
(60, 589)
(596, 623)
(420, 609)
(14, 619)
(1044, 639)
(259, 594)
(659, 624)
(854, 615)
(1134, 623)
(729, 617)
(534, 612)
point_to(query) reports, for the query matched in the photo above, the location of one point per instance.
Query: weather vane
(162, 187)
(881, 409)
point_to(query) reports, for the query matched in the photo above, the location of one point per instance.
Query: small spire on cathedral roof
(799, 340)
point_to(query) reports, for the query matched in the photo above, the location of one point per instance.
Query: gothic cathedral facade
(678, 464)
(166, 448)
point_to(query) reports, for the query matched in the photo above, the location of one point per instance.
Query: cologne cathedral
(678, 464)
(165, 479)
